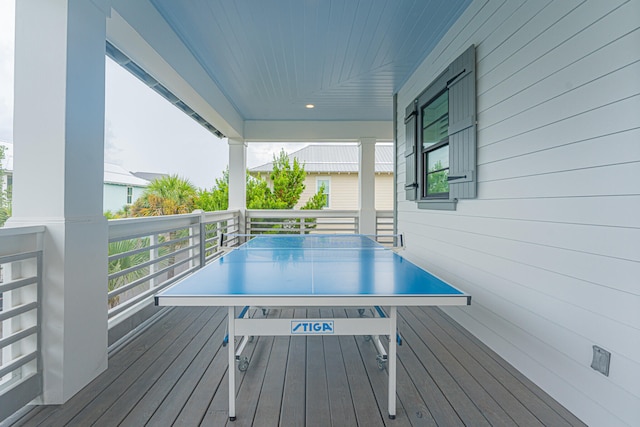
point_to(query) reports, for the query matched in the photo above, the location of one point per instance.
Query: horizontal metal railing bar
(149, 293)
(17, 363)
(20, 283)
(219, 216)
(134, 251)
(286, 213)
(6, 259)
(148, 277)
(18, 310)
(150, 262)
(21, 231)
(155, 232)
(333, 223)
(15, 337)
(136, 227)
(298, 225)
(160, 244)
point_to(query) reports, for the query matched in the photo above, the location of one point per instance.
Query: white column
(58, 180)
(366, 185)
(237, 177)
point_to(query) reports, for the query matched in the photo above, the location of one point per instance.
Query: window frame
(424, 152)
(458, 80)
(327, 189)
(129, 195)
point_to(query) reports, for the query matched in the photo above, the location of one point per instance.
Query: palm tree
(126, 262)
(168, 195)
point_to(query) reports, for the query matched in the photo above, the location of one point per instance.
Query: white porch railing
(385, 228)
(301, 221)
(149, 254)
(20, 314)
(316, 222)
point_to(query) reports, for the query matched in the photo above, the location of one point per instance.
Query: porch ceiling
(347, 57)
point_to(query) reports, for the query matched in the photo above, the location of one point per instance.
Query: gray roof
(114, 174)
(330, 158)
(149, 176)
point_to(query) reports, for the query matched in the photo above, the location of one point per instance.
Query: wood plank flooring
(175, 374)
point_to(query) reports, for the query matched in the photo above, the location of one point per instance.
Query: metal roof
(333, 158)
(114, 174)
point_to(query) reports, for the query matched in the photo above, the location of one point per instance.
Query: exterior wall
(384, 191)
(550, 249)
(115, 196)
(344, 190)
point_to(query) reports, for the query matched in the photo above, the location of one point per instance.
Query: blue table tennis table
(312, 271)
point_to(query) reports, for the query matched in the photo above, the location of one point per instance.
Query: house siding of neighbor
(121, 188)
(338, 165)
(549, 248)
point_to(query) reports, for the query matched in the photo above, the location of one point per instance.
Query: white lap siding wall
(550, 248)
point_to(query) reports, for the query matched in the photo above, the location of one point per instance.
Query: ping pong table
(312, 271)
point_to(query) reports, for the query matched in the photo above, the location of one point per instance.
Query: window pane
(438, 159)
(435, 120)
(437, 171)
(327, 189)
(437, 182)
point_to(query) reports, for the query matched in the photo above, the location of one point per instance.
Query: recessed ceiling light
(310, 106)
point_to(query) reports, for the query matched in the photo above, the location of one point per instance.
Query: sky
(143, 132)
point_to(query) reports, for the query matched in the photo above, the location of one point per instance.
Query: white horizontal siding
(550, 249)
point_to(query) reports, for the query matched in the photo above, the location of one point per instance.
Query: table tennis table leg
(231, 322)
(393, 314)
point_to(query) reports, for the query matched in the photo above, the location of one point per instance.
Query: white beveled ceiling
(347, 57)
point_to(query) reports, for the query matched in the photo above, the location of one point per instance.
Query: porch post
(366, 185)
(237, 178)
(58, 180)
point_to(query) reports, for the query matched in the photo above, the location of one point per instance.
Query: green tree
(317, 201)
(288, 184)
(168, 195)
(126, 263)
(437, 181)
(288, 181)
(218, 198)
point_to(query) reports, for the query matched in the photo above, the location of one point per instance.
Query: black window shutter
(410, 152)
(462, 126)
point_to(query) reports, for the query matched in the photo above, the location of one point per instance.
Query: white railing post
(153, 255)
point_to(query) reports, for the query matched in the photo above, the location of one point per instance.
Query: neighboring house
(336, 166)
(121, 188)
(149, 176)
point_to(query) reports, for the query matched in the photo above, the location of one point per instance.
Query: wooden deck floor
(174, 374)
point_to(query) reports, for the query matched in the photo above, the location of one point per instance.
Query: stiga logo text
(311, 327)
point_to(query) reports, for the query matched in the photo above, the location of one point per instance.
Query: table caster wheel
(243, 364)
(381, 362)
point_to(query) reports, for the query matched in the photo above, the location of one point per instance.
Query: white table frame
(368, 326)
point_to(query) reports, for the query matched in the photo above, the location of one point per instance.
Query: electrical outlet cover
(601, 360)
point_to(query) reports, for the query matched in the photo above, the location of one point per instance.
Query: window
(440, 150)
(326, 183)
(435, 147)
(129, 195)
